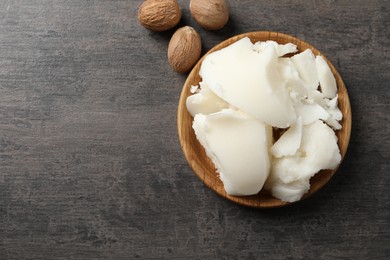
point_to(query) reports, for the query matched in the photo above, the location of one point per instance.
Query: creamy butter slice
(290, 141)
(290, 175)
(311, 112)
(238, 146)
(281, 49)
(326, 77)
(334, 112)
(306, 65)
(205, 102)
(293, 81)
(288, 192)
(250, 81)
(287, 69)
(318, 151)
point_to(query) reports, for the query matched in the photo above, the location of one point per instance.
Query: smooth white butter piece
(333, 123)
(287, 69)
(294, 83)
(334, 110)
(250, 81)
(194, 89)
(315, 96)
(326, 78)
(289, 192)
(335, 114)
(290, 176)
(318, 151)
(290, 141)
(238, 146)
(205, 102)
(306, 65)
(311, 113)
(281, 49)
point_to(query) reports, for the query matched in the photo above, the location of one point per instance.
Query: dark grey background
(91, 166)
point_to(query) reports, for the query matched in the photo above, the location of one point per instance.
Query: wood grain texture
(90, 161)
(204, 168)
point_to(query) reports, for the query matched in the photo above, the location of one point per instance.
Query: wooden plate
(203, 166)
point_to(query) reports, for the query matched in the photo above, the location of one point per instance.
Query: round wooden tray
(203, 166)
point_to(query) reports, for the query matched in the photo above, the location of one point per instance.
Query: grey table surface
(90, 162)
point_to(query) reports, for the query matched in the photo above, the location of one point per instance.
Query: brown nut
(210, 14)
(159, 15)
(184, 49)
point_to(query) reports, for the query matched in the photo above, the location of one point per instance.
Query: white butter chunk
(194, 89)
(315, 96)
(290, 141)
(326, 78)
(288, 192)
(318, 151)
(205, 102)
(311, 113)
(335, 114)
(287, 69)
(250, 81)
(281, 49)
(294, 83)
(290, 175)
(306, 65)
(238, 146)
(333, 123)
(334, 110)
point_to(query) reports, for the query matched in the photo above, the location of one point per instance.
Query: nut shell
(210, 14)
(159, 15)
(184, 49)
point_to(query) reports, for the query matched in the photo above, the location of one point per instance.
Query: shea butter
(237, 143)
(248, 91)
(250, 81)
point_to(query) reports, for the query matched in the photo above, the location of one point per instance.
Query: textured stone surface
(90, 164)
